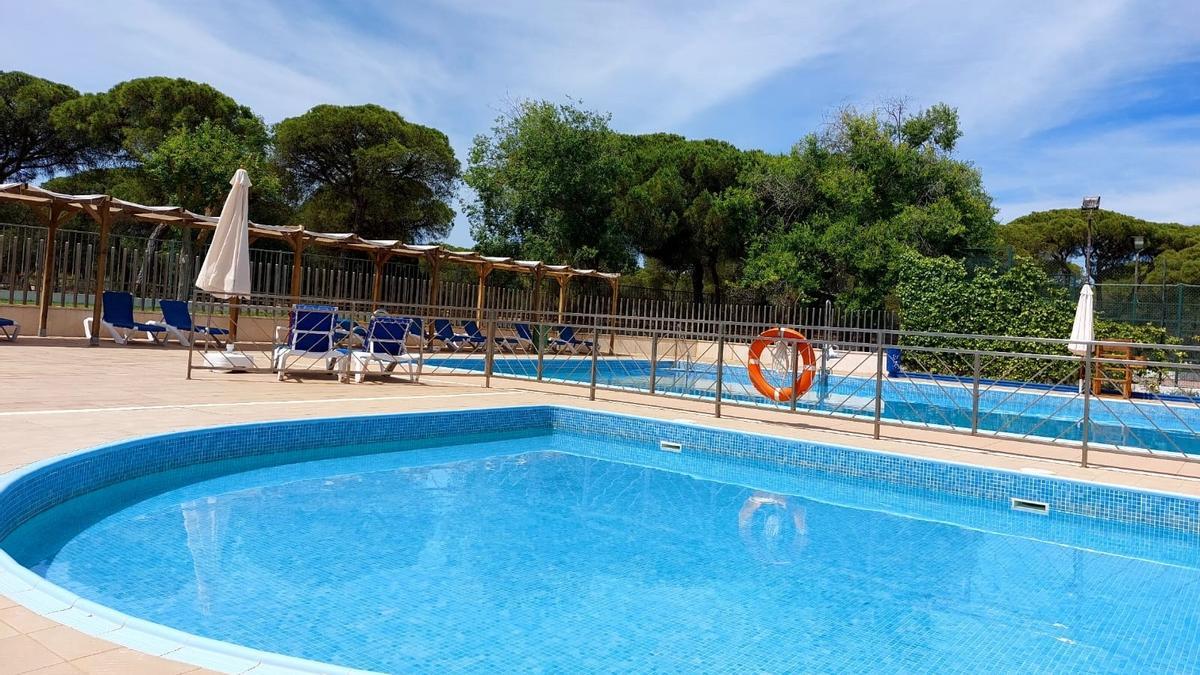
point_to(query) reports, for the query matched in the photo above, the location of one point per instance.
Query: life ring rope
(804, 378)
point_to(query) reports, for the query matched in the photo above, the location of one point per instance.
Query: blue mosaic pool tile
(71, 476)
(61, 480)
(1096, 501)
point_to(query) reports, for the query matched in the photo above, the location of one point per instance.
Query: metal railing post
(653, 362)
(795, 373)
(192, 340)
(595, 355)
(1087, 406)
(539, 334)
(191, 348)
(878, 381)
(824, 374)
(720, 367)
(491, 352)
(976, 367)
(420, 347)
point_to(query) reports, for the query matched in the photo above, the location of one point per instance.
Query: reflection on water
(772, 528)
(205, 520)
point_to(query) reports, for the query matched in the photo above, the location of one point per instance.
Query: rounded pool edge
(57, 604)
(53, 602)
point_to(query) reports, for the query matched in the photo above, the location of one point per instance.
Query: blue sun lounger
(444, 333)
(566, 340)
(502, 341)
(310, 336)
(177, 320)
(384, 345)
(417, 329)
(348, 328)
(11, 329)
(525, 337)
(117, 320)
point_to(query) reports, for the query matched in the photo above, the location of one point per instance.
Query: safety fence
(1175, 307)
(1099, 407)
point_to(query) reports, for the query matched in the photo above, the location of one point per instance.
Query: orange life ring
(808, 364)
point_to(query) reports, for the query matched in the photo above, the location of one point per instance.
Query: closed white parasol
(226, 269)
(1083, 329)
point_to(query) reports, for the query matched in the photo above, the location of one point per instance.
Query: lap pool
(1020, 411)
(549, 539)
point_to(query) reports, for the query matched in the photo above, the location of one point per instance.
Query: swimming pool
(554, 539)
(1029, 412)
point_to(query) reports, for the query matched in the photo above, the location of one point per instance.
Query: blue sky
(1057, 99)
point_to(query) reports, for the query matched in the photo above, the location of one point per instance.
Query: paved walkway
(57, 396)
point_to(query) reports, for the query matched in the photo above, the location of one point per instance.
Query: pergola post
(481, 293)
(58, 213)
(563, 281)
(103, 217)
(380, 259)
(435, 276)
(297, 242)
(535, 302)
(615, 282)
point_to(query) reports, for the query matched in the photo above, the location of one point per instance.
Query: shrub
(938, 295)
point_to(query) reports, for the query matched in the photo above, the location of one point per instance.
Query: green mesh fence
(1175, 307)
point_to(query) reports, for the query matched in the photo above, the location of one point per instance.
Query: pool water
(1026, 412)
(552, 552)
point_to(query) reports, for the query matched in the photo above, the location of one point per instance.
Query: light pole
(1090, 206)
(1139, 243)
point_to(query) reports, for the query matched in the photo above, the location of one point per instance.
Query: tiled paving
(57, 396)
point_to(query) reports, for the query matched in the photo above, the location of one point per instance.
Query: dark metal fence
(162, 270)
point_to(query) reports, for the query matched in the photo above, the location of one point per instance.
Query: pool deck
(57, 396)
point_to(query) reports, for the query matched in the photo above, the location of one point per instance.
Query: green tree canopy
(30, 145)
(1057, 238)
(133, 118)
(685, 205)
(192, 168)
(544, 182)
(367, 170)
(844, 206)
(160, 140)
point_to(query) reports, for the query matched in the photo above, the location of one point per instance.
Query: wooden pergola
(53, 209)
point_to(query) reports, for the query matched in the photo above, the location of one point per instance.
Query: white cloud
(1150, 170)
(1015, 70)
